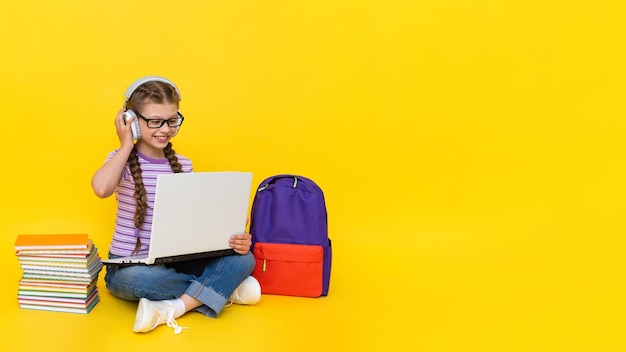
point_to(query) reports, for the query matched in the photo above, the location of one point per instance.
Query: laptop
(194, 216)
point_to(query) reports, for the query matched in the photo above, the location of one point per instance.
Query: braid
(170, 154)
(140, 191)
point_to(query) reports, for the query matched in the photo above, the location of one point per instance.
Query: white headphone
(131, 89)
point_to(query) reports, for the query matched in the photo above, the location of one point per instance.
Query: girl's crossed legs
(204, 285)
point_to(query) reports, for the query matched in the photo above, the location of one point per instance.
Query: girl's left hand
(241, 243)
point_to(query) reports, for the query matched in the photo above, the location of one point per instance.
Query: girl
(164, 292)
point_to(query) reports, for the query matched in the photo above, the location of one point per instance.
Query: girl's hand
(241, 243)
(124, 132)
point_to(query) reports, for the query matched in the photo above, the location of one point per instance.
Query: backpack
(290, 243)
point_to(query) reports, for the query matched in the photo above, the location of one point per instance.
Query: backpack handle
(274, 179)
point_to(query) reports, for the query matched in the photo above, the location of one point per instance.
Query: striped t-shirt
(125, 236)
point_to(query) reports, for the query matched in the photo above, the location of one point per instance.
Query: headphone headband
(145, 79)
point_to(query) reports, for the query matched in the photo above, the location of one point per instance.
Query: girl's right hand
(124, 132)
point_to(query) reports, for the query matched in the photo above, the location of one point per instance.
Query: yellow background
(471, 153)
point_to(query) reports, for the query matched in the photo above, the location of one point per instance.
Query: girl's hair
(159, 93)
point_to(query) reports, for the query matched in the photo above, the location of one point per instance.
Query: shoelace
(231, 299)
(174, 325)
(167, 316)
(229, 302)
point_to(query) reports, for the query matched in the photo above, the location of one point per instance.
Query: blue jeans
(209, 280)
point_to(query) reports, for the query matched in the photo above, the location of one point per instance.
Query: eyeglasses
(158, 123)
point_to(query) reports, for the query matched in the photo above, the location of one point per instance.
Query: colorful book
(57, 296)
(56, 308)
(59, 255)
(59, 273)
(66, 264)
(56, 261)
(53, 296)
(56, 287)
(33, 242)
(94, 267)
(60, 277)
(73, 302)
(69, 282)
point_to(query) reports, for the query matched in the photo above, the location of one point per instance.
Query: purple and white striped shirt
(125, 236)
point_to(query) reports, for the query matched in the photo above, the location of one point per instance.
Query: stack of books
(60, 272)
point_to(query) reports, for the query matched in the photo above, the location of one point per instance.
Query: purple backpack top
(289, 218)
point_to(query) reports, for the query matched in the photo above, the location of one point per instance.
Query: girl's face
(154, 139)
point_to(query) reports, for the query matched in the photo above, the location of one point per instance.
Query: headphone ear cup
(134, 127)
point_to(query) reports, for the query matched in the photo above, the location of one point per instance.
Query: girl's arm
(108, 175)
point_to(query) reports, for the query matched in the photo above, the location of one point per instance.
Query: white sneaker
(248, 292)
(151, 314)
